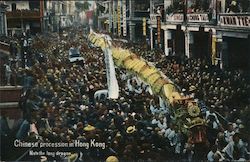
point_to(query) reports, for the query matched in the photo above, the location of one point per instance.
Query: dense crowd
(61, 104)
(221, 90)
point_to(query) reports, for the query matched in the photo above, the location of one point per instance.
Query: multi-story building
(3, 20)
(125, 18)
(215, 30)
(58, 14)
(39, 16)
(103, 15)
(24, 16)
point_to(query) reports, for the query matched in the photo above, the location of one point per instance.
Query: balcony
(234, 20)
(24, 14)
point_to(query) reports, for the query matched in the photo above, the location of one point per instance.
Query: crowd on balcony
(237, 6)
(207, 6)
(60, 105)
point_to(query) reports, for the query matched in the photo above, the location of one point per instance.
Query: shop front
(234, 29)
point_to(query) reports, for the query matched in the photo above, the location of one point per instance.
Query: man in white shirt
(210, 155)
(212, 117)
(229, 133)
(235, 149)
(8, 73)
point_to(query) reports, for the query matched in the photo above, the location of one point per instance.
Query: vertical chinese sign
(110, 16)
(114, 17)
(158, 29)
(124, 19)
(144, 26)
(119, 17)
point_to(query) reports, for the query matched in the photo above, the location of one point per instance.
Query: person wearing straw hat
(112, 159)
(89, 128)
(131, 129)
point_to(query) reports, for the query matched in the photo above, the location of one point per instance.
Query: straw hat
(89, 128)
(192, 88)
(72, 157)
(131, 129)
(112, 159)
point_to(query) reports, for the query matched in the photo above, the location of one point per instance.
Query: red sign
(89, 14)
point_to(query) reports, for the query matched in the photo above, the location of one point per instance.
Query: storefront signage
(110, 17)
(114, 15)
(235, 20)
(197, 18)
(175, 18)
(119, 17)
(124, 24)
(153, 17)
(144, 26)
(158, 29)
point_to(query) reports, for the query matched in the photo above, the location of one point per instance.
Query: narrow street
(75, 88)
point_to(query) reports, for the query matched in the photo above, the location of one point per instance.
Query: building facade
(125, 18)
(58, 15)
(39, 16)
(214, 30)
(24, 16)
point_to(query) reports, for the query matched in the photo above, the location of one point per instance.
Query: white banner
(124, 18)
(113, 88)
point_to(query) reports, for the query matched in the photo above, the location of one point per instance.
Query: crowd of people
(225, 93)
(60, 104)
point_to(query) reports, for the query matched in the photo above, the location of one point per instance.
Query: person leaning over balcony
(8, 73)
(233, 7)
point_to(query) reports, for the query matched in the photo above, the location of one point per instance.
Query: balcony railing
(241, 20)
(23, 14)
(5, 48)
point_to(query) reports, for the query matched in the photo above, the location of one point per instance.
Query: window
(34, 5)
(13, 6)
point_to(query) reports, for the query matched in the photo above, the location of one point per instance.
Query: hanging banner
(187, 43)
(119, 17)
(158, 29)
(144, 26)
(124, 19)
(114, 15)
(213, 49)
(110, 16)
